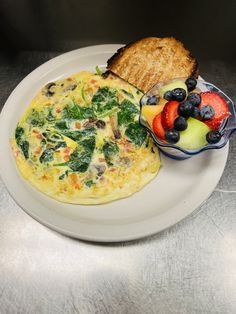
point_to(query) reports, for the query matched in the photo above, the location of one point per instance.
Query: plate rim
(112, 48)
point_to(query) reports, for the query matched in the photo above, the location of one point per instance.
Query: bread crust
(150, 60)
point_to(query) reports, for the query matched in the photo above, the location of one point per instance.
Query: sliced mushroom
(70, 87)
(100, 124)
(125, 161)
(101, 168)
(50, 89)
(88, 124)
(114, 125)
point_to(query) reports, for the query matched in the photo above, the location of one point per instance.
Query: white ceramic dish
(179, 188)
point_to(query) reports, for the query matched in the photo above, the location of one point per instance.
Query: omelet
(80, 141)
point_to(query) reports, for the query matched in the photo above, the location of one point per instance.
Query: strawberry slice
(219, 105)
(158, 127)
(169, 114)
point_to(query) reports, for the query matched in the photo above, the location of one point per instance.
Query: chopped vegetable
(36, 118)
(47, 155)
(110, 150)
(78, 135)
(73, 111)
(98, 70)
(136, 133)
(127, 112)
(81, 157)
(127, 93)
(105, 101)
(89, 183)
(61, 125)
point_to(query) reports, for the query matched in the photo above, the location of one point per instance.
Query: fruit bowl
(227, 127)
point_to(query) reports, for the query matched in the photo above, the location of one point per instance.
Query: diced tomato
(66, 157)
(77, 125)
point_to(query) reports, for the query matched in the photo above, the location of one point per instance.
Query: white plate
(179, 188)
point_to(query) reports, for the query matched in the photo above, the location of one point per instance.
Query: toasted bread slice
(151, 60)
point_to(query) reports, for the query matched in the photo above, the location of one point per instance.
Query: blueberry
(168, 95)
(195, 99)
(185, 109)
(178, 94)
(191, 83)
(172, 136)
(213, 137)
(152, 100)
(180, 124)
(196, 112)
(207, 112)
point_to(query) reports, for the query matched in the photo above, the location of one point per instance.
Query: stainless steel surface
(189, 268)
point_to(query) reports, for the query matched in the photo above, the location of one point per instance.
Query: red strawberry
(219, 105)
(158, 127)
(169, 114)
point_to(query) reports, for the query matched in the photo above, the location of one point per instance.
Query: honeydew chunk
(171, 86)
(194, 137)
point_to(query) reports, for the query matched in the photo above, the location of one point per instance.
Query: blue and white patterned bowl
(228, 126)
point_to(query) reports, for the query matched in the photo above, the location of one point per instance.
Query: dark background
(33, 32)
(208, 28)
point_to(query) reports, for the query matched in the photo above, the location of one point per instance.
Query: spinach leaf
(81, 157)
(110, 150)
(75, 112)
(24, 145)
(61, 125)
(60, 145)
(77, 136)
(43, 142)
(127, 112)
(136, 133)
(62, 176)
(36, 118)
(127, 93)
(98, 70)
(89, 183)
(18, 134)
(47, 155)
(52, 136)
(50, 117)
(104, 101)
(79, 161)
(89, 143)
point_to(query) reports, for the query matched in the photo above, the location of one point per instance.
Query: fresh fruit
(149, 112)
(207, 112)
(169, 87)
(219, 105)
(180, 124)
(185, 109)
(196, 90)
(169, 114)
(213, 137)
(196, 112)
(172, 136)
(191, 83)
(194, 137)
(194, 99)
(178, 94)
(168, 95)
(157, 127)
(152, 100)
